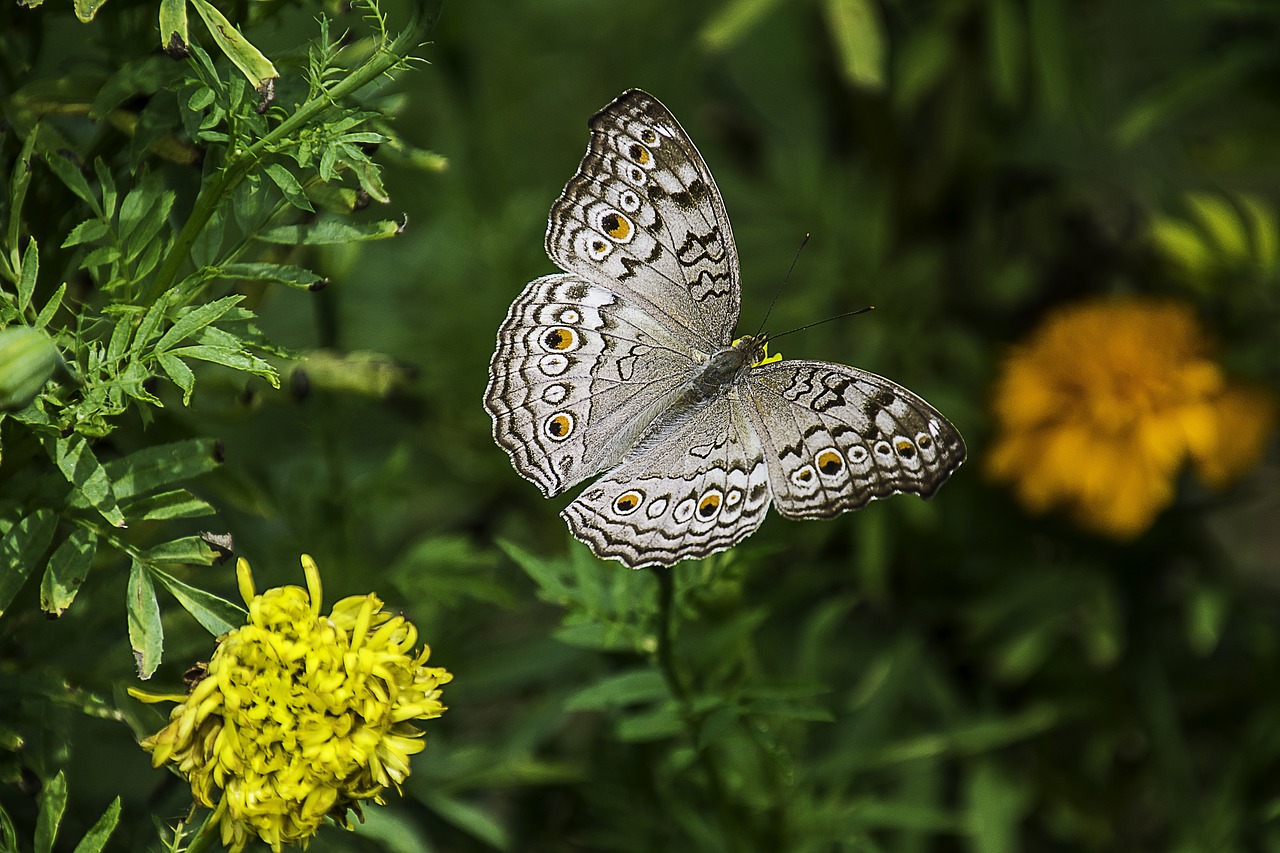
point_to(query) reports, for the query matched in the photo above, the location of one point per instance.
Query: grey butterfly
(625, 365)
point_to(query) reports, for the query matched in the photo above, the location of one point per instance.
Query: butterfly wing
(836, 437)
(578, 374)
(643, 215)
(695, 485)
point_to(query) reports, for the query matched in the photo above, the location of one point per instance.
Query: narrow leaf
(233, 358)
(146, 634)
(281, 273)
(331, 231)
(89, 231)
(96, 838)
(859, 37)
(165, 506)
(625, 688)
(289, 186)
(51, 307)
(162, 465)
(75, 459)
(53, 802)
(214, 613)
(256, 67)
(174, 37)
(189, 550)
(20, 551)
(195, 320)
(181, 375)
(27, 276)
(69, 173)
(67, 569)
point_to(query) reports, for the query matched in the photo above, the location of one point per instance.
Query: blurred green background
(950, 675)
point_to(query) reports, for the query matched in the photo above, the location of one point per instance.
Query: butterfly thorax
(725, 366)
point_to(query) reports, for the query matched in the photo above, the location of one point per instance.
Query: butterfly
(625, 366)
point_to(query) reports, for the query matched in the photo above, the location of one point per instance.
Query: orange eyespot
(709, 504)
(560, 339)
(830, 462)
(905, 448)
(559, 426)
(925, 442)
(627, 502)
(638, 153)
(616, 226)
(648, 136)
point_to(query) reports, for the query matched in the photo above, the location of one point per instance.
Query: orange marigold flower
(300, 715)
(1100, 410)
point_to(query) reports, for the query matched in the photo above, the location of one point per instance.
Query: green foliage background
(951, 675)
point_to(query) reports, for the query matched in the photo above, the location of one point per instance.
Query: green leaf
(67, 569)
(53, 803)
(161, 465)
(87, 9)
(166, 506)
(96, 838)
(27, 278)
(195, 320)
(331, 231)
(8, 836)
(214, 613)
(256, 67)
(859, 38)
(20, 180)
(1005, 33)
(289, 186)
(177, 370)
(473, 820)
(281, 273)
(146, 634)
(996, 805)
(234, 358)
(89, 231)
(78, 464)
(69, 173)
(21, 549)
(657, 723)
(625, 688)
(189, 550)
(51, 307)
(174, 36)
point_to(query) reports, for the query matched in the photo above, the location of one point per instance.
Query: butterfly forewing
(644, 213)
(577, 375)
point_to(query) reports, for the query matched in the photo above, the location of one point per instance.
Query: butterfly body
(624, 366)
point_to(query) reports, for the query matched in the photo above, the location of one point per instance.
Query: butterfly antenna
(820, 322)
(784, 284)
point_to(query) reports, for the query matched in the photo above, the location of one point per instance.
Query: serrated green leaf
(214, 613)
(195, 320)
(289, 186)
(66, 571)
(146, 633)
(27, 277)
(78, 464)
(166, 506)
(330, 231)
(255, 67)
(177, 370)
(20, 551)
(859, 38)
(53, 803)
(89, 231)
(51, 307)
(281, 273)
(624, 688)
(189, 550)
(98, 835)
(228, 357)
(19, 181)
(69, 173)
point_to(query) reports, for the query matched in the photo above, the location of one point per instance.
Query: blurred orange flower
(1100, 410)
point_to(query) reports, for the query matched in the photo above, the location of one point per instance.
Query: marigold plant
(300, 716)
(1100, 410)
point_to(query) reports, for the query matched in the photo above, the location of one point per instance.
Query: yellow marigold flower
(1100, 410)
(300, 715)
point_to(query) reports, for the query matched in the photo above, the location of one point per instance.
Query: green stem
(206, 836)
(730, 825)
(239, 165)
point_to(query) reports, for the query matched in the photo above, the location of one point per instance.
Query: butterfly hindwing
(836, 437)
(644, 215)
(693, 487)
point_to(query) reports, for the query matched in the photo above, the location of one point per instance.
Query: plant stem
(239, 165)
(729, 823)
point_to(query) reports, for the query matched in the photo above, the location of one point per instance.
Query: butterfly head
(755, 350)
